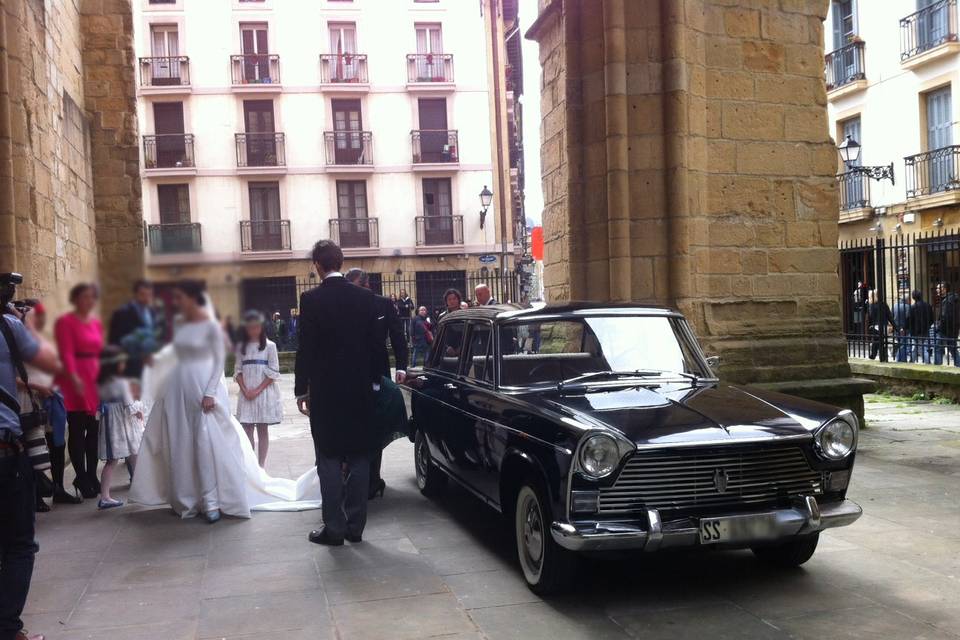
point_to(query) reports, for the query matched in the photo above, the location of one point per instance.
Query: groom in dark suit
(337, 371)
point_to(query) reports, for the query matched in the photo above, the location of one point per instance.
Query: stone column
(687, 162)
(110, 93)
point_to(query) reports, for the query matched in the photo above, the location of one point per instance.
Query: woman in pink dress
(79, 337)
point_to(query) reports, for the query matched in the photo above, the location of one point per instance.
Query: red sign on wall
(536, 243)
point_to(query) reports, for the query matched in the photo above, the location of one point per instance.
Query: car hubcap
(422, 461)
(531, 532)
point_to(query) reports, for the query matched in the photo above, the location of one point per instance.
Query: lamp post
(850, 150)
(486, 197)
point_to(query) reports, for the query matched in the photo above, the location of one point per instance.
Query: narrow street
(446, 569)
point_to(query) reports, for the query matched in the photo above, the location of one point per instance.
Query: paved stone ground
(446, 570)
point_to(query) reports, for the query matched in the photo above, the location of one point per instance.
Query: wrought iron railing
(893, 298)
(845, 65)
(336, 68)
(264, 235)
(164, 71)
(255, 68)
(355, 233)
(348, 147)
(435, 146)
(168, 151)
(430, 67)
(439, 230)
(933, 171)
(260, 150)
(854, 190)
(174, 238)
(931, 26)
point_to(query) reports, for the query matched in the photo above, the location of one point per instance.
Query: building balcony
(430, 71)
(434, 147)
(255, 72)
(440, 231)
(165, 239)
(929, 34)
(356, 236)
(854, 196)
(845, 70)
(261, 152)
(349, 150)
(266, 238)
(168, 154)
(165, 75)
(344, 72)
(932, 178)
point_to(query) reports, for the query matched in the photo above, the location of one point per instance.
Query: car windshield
(553, 351)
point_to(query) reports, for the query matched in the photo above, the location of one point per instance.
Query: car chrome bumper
(746, 529)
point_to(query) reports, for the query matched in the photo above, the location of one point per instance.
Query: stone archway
(687, 162)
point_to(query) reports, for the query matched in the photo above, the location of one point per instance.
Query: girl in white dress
(257, 370)
(195, 456)
(121, 422)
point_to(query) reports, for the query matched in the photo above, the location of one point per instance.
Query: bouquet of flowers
(141, 343)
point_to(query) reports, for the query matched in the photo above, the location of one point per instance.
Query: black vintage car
(597, 428)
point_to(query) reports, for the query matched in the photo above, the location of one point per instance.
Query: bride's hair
(193, 289)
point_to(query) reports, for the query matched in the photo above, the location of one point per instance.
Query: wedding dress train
(198, 461)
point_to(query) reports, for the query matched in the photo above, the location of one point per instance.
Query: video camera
(8, 291)
(8, 287)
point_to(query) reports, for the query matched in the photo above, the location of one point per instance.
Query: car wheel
(547, 567)
(430, 479)
(789, 554)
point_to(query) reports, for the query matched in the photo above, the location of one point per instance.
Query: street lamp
(849, 151)
(486, 197)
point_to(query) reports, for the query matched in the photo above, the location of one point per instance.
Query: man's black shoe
(320, 536)
(354, 539)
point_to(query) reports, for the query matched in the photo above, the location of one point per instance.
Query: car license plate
(713, 530)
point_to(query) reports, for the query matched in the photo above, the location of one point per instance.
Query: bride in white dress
(195, 456)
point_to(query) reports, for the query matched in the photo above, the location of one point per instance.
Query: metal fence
(930, 26)
(281, 295)
(845, 66)
(887, 284)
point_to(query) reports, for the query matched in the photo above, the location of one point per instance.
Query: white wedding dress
(198, 461)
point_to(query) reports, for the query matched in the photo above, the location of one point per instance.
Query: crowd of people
(912, 331)
(98, 398)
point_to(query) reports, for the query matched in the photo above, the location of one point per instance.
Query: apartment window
(173, 201)
(351, 199)
(255, 47)
(851, 128)
(266, 228)
(436, 197)
(939, 119)
(844, 14)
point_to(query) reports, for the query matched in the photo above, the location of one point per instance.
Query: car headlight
(838, 438)
(599, 456)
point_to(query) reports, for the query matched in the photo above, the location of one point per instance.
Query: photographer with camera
(17, 492)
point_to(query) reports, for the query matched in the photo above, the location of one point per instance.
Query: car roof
(503, 312)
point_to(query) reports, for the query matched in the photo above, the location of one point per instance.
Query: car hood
(675, 413)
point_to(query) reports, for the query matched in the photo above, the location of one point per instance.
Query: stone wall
(110, 90)
(69, 175)
(52, 196)
(686, 162)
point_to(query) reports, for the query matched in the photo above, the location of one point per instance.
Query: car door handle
(449, 386)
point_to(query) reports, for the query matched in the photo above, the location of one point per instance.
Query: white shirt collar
(333, 274)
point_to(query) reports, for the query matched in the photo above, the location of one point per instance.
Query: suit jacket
(389, 325)
(338, 360)
(123, 322)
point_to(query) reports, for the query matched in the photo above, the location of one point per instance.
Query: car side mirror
(713, 361)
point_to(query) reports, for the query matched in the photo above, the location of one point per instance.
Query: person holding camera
(17, 492)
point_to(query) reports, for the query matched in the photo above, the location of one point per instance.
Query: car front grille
(690, 480)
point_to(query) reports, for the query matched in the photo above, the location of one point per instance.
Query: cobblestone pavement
(446, 569)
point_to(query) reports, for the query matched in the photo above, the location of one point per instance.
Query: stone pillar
(687, 162)
(110, 92)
